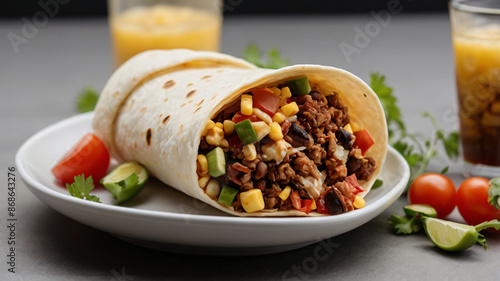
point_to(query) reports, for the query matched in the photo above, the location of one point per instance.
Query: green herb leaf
(405, 225)
(389, 103)
(445, 170)
(81, 188)
(378, 183)
(87, 99)
(494, 193)
(253, 55)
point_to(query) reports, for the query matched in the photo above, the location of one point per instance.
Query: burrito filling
(285, 147)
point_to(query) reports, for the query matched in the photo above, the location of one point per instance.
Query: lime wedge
(423, 210)
(126, 181)
(450, 236)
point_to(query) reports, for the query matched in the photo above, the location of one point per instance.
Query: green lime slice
(126, 181)
(450, 236)
(423, 210)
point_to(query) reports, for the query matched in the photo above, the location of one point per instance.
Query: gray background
(39, 85)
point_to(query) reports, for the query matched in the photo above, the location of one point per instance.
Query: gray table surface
(39, 84)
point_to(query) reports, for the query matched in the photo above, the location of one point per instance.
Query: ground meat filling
(318, 149)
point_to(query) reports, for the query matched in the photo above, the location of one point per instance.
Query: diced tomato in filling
(354, 184)
(234, 142)
(321, 205)
(363, 140)
(306, 205)
(266, 100)
(294, 196)
(238, 117)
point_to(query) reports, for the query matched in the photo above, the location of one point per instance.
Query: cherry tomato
(472, 201)
(436, 190)
(266, 100)
(321, 205)
(89, 157)
(363, 140)
(306, 205)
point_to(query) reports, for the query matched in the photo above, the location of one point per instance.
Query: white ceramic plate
(163, 218)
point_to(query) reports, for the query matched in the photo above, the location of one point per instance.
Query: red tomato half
(472, 201)
(436, 190)
(266, 100)
(89, 157)
(363, 140)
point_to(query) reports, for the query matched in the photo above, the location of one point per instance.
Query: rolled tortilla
(155, 106)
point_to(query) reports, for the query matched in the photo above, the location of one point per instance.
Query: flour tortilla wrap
(155, 106)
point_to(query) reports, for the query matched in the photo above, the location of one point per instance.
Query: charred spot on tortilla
(135, 145)
(214, 97)
(180, 129)
(190, 93)
(115, 94)
(189, 85)
(165, 100)
(197, 109)
(166, 119)
(365, 95)
(200, 102)
(169, 84)
(144, 109)
(206, 76)
(148, 136)
(182, 105)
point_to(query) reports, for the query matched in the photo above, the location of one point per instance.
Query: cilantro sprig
(82, 187)
(274, 60)
(418, 150)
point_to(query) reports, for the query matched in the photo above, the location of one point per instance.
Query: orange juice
(477, 59)
(144, 28)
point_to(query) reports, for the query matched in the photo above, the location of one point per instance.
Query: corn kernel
(213, 189)
(261, 129)
(313, 205)
(224, 143)
(215, 136)
(202, 182)
(285, 193)
(276, 91)
(252, 200)
(279, 117)
(290, 109)
(228, 126)
(355, 127)
(262, 115)
(210, 124)
(348, 128)
(275, 134)
(250, 152)
(219, 125)
(202, 161)
(285, 94)
(246, 105)
(359, 202)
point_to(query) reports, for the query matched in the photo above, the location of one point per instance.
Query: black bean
(332, 202)
(299, 136)
(345, 138)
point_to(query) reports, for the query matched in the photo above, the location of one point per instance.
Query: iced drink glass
(140, 25)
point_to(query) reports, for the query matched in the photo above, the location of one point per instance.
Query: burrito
(303, 140)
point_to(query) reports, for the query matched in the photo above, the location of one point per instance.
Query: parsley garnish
(87, 99)
(405, 224)
(81, 188)
(494, 193)
(274, 60)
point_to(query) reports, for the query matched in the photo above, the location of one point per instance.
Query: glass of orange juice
(476, 41)
(140, 25)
